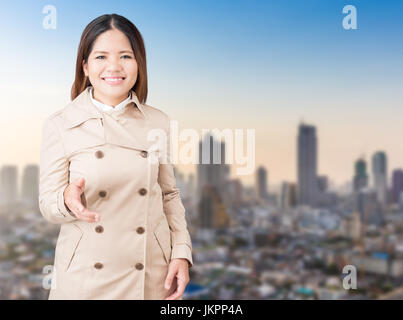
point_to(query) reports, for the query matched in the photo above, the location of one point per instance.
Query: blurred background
(321, 87)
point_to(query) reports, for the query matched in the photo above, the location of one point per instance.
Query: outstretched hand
(72, 200)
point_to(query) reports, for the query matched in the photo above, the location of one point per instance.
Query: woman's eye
(103, 57)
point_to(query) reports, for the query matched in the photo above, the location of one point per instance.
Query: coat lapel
(82, 109)
(117, 134)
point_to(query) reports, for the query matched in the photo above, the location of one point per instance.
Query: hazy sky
(226, 64)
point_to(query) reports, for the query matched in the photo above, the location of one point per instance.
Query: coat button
(102, 193)
(139, 266)
(99, 154)
(143, 191)
(140, 230)
(99, 229)
(98, 265)
(144, 154)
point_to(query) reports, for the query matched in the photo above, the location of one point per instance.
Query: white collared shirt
(105, 107)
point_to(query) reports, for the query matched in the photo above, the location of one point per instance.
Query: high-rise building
(397, 185)
(307, 165)
(380, 173)
(235, 190)
(360, 175)
(8, 185)
(261, 183)
(211, 169)
(30, 186)
(212, 210)
(322, 184)
(288, 195)
(367, 206)
(191, 184)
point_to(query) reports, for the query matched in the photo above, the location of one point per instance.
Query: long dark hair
(91, 32)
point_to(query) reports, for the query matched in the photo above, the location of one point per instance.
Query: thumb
(80, 182)
(169, 278)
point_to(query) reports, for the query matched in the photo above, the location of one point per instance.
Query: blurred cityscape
(248, 242)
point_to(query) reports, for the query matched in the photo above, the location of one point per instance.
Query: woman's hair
(91, 32)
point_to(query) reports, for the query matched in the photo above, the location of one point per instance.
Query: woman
(123, 231)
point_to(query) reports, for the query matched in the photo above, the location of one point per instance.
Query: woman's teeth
(113, 79)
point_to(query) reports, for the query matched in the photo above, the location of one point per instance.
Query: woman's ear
(85, 69)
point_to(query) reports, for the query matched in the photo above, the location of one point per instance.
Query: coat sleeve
(53, 176)
(173, 207)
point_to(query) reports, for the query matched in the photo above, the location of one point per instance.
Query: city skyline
(298, 63)
(323, 100)
(373, 172)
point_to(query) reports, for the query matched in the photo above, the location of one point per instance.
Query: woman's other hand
(178, 268)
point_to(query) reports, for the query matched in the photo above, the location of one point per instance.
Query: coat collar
(84, 109)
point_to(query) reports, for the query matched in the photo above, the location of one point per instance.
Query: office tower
(30, 186)
(235, 190)
(211, 169)
(322, 184)
(8, 185)
(212, 210)
(397, 185)
(360, 175)
(261, 183)
(380, 173)
(366, 205)
(191, 184)
(288, 195)
(307, 165)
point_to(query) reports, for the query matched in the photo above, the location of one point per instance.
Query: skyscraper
(212, 210)
(288, 196)
(30, 186)
(307, 165)
(360, 175)
(211, 169)
(397, 185)
(380, 173)
(261, 183)
(8, 185)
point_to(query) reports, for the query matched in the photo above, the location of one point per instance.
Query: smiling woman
(112, 73)
(97, 166)
(111, 57)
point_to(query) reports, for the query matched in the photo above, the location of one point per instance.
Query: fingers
(169, 278)
(80, 183)
(179, 290)
(76, 198)
(88, 215)
(83, 213)
(182, 280)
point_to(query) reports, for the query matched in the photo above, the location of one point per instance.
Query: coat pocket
(163, 235)
(69, 245)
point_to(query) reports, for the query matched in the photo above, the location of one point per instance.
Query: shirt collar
(106, 107)
(83, 108)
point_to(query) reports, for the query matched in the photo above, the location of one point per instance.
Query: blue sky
(228, 64)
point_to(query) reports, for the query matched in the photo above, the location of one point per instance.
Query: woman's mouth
(113, 80)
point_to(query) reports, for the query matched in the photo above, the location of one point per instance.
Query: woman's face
(111, 67)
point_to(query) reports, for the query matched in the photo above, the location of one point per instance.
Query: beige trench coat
(142, 226)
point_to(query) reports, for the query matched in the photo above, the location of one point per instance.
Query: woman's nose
(114, 64)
